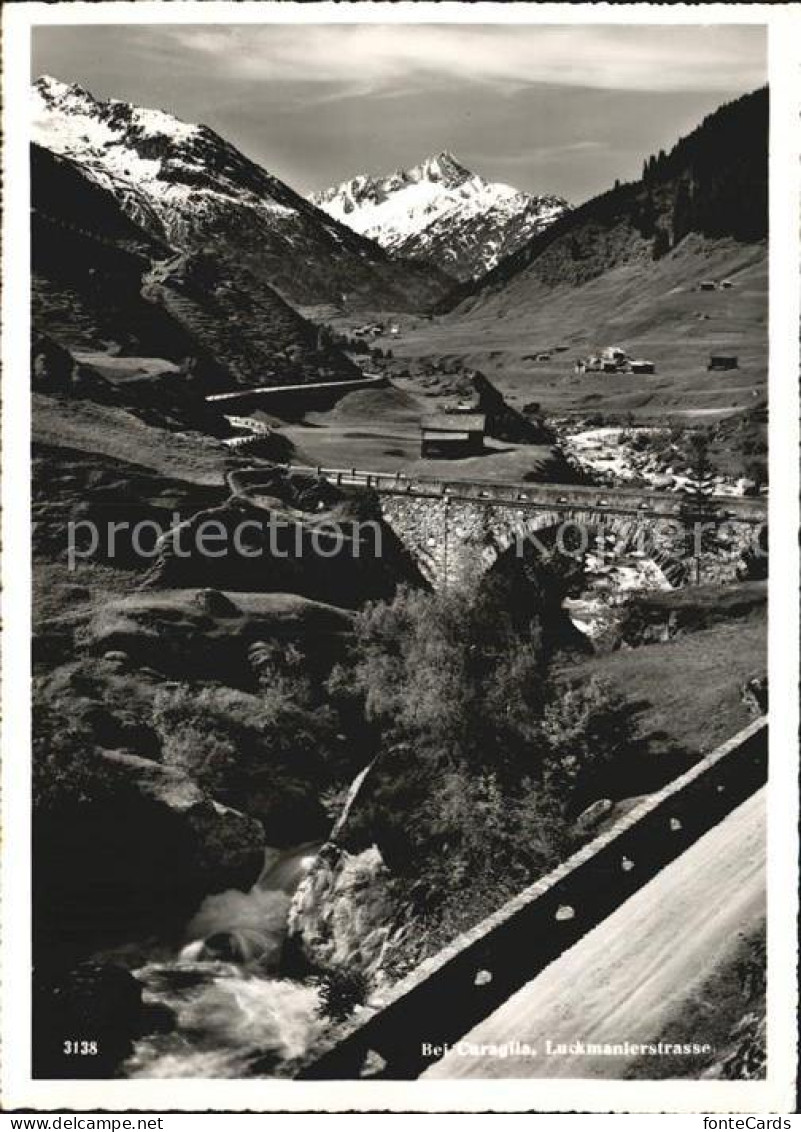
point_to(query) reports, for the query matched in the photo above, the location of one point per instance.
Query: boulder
(593, 815)
(51, 366)
(754, 695)
(222, 848)
(342, 914)
(136, 857)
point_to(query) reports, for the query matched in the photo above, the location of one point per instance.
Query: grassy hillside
(688, 691)
(652, 309)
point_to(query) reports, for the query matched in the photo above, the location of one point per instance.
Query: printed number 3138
(80, 1048)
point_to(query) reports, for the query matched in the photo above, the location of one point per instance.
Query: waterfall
(234, 1014)
(350, 798)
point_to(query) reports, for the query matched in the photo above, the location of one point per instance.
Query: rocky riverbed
(617, 455)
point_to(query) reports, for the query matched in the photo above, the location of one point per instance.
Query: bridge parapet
(558, 497)
(444, 997)
(457, 529)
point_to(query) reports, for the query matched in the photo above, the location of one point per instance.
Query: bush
(65, 771)
(486, 757)
(340, 992)
(262, 754)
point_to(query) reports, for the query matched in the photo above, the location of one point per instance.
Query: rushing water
(235, 1014)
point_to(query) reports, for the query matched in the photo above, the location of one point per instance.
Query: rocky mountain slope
(440, 213)
(102, 283)
(186, 186)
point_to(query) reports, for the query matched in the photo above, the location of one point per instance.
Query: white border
(774, 1095)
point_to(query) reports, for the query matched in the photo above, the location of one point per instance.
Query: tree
(661, 244)
(341, 991)
(486, 756)
(698, 510)
(683, 213)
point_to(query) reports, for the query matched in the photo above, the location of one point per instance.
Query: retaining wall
(443, 998)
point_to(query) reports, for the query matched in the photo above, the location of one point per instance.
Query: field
(658, 313)
(688, 691)
(379, 429)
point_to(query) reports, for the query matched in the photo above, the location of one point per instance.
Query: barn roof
(449, 437)
(454, 422)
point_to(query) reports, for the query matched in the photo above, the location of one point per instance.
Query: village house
(723, 361)
(452, 435)
(614, 354)
(370, 330)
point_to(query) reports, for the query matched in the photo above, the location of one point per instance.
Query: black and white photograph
(394, 394)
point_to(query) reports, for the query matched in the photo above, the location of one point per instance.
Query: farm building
(708, 285)
(642, 365)
(722, 361)
(451, 435)
(726, 284)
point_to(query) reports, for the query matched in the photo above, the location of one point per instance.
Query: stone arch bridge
(457, 529)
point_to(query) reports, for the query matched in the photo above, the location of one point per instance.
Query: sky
(547, 108)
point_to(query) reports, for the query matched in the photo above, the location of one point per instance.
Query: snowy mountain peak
(441, 167)
(54, 89)
(71, 121)
(171, 174)
(441, 212)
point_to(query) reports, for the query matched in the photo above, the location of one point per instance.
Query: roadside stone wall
(443, 998)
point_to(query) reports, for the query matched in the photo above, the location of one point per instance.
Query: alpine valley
(269, 783)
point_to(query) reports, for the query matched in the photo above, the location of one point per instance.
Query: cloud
(357, 59)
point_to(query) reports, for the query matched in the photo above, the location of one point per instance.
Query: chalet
(641, 365)
(451, 435)
(723, 361)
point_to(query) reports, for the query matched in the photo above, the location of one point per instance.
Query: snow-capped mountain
(439, 212)
(189, 187)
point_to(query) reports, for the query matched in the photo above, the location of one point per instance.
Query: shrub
(340, 992)
(486, 757)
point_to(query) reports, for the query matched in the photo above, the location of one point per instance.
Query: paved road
(643, 503)
(627, 979)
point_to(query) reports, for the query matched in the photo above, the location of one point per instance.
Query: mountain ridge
(101, 282)
(188, 186)
(439, 211)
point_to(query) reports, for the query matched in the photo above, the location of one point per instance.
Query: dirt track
(629, 978)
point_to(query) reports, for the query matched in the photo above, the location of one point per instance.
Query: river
(235, 1014)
